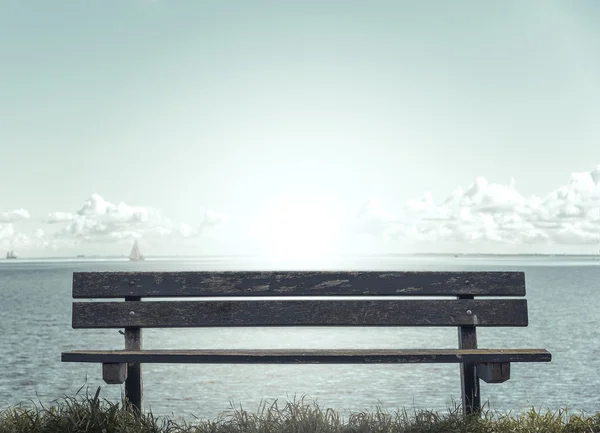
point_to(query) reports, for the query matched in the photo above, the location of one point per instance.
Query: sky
(299, 128)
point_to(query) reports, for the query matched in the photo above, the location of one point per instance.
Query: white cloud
(11, 239)
(495, 213)
(14, 216)
(97, 222)
(59, 217)
(482, 214)
(101, 220)
(6, 232)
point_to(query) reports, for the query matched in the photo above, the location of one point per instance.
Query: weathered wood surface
(382, 312)
(311, 356)
(494, 372)
(189, 284)
(467, 340)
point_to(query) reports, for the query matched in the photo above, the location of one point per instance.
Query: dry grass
(91, 414)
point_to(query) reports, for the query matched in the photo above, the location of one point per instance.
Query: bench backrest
(345, 308)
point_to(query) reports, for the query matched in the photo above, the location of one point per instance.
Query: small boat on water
(135, 253)
(11, 255)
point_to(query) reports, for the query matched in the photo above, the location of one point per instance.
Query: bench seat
(310, 356)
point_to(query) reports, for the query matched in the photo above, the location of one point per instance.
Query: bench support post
(467, 339)
(133, 383)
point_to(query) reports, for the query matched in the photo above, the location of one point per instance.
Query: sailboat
(11, 255)
(135, 253)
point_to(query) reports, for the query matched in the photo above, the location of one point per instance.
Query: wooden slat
(310, 356)
(189, 284)
(382, 312)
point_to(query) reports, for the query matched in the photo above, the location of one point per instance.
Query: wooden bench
(376, 308)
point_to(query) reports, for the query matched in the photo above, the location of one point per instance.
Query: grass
(91, 414)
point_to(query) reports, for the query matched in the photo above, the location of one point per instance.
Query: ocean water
(564, 317)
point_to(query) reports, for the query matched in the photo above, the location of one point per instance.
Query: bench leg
(471, 400)
(133, 383)
(134, 386)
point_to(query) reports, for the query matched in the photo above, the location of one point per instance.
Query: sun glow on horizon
(299, 229)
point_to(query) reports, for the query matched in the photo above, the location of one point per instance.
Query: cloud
(488, 212)
(7, 231)
(101, 220)
(14, 216)
(11, 239)
(59, 217)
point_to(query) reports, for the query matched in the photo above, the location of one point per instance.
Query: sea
(563, 295)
